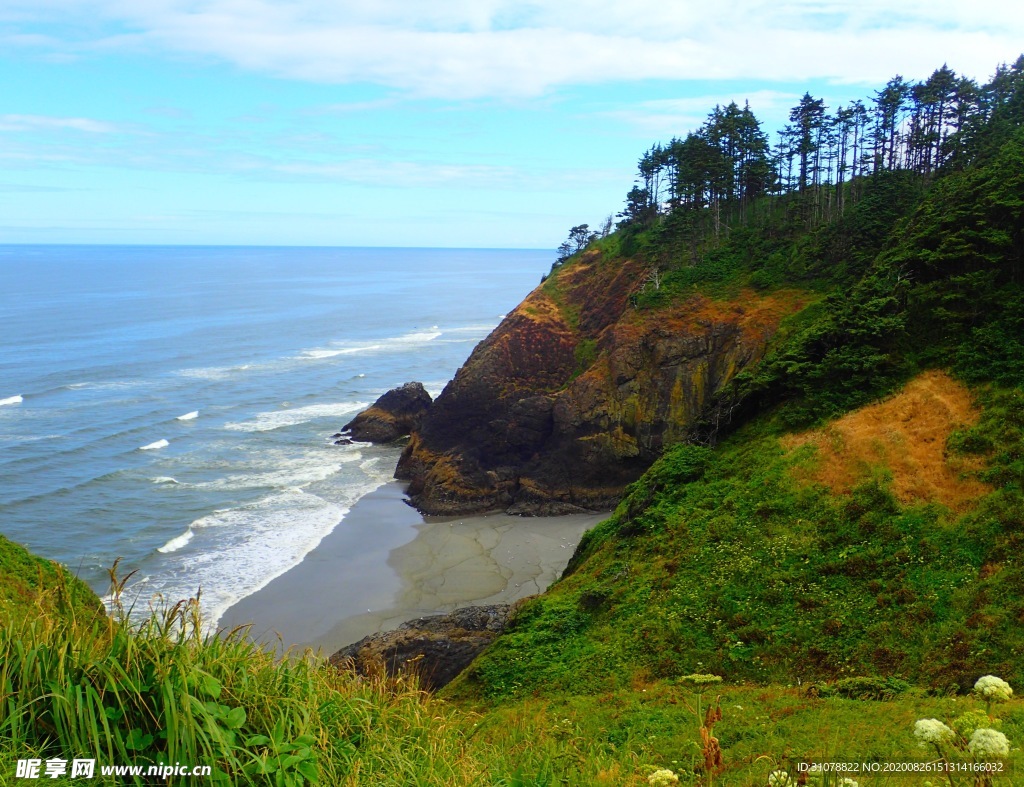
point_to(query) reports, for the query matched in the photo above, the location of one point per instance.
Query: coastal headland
(577, 392)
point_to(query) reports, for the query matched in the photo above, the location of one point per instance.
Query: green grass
(720, 560)
(162, 693)
(31, 586)
(619, 737)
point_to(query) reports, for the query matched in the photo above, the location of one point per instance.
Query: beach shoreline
(385, 564)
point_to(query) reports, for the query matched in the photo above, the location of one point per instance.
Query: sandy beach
(386, 563)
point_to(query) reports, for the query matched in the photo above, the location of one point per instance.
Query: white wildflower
(987, 743)
(932, 731)
(701, 680)
(662, 778)
(779, 779)
(848, 782)
(993, 689)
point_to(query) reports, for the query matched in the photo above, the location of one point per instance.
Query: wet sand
(385, 564)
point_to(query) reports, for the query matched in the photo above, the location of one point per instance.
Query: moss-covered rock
(577, 392)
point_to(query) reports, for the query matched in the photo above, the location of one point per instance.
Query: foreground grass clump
(162, 693)
(31, 586)
(624, 737)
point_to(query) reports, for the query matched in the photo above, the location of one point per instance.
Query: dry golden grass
(904, 436)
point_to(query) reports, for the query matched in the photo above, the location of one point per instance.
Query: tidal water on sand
(172, 406)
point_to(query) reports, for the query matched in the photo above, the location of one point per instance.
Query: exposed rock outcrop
(576, 393)
(437, 647)
(396, 414)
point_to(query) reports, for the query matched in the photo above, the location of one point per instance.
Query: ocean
(173, 406)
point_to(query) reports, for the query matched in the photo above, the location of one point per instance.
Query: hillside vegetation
(801, 374)
(849, 508)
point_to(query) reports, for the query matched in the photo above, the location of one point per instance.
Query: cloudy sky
(481, 123)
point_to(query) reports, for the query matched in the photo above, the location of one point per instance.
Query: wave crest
(177, 542)
(264, 422)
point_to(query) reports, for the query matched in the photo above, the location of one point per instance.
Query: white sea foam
(177, 542)
(188, 416)
(233, 553)
(214, 372)
(481, 328)
(12, 400)
(317, 354)
(157, 444)
(289, 475)
(276, 419)
(164, 479)
(435, 387)
(108, 385)
(397, 343)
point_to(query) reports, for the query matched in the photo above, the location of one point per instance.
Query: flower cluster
(987, 743)
(972, 720)
(780, 779)
(662, 778)
(701, 680)
(932, 731)
(993, 689)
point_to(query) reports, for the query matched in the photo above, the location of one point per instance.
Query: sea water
(173, 406)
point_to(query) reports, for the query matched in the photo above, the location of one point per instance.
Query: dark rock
(437, 647)
(396, 414)
(576, 393)
(343, 441)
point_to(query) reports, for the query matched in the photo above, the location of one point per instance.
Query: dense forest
(715, 178)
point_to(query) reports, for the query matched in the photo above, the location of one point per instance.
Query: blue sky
(477, 123)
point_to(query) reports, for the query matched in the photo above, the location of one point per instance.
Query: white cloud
(676, 116)
(407, 174)
(474, 48)
(46, 123)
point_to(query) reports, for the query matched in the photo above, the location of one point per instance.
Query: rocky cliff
(577, 391)
(436, 648)
(393, 415)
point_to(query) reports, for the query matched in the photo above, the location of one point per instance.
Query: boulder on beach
(396, 414)
(437, 647)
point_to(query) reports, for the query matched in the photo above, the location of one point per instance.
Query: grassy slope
(31, 586)
(725, 562)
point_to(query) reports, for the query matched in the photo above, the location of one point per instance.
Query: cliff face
(575, 394)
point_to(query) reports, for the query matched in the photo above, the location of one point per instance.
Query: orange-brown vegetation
(756, 315)
(905, 437)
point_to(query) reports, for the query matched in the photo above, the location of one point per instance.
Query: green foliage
(865, 688)
(718, 560)
(31, 586)
(585, 354)
(163, 693)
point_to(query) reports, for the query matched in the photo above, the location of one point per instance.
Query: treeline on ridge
(728, 174)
